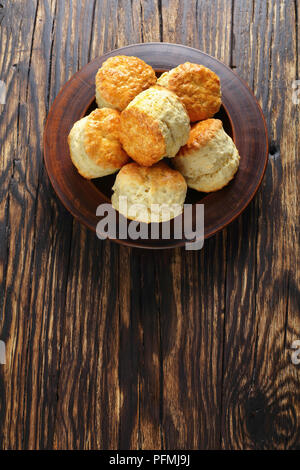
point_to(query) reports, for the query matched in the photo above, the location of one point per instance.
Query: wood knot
(269, 424)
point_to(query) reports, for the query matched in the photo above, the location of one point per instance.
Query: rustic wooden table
(116, 348)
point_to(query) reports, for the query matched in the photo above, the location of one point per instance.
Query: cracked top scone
(154, 125)
(197, 86)
(120, 79)
(210, 158)
(153, 194)
(95, 146)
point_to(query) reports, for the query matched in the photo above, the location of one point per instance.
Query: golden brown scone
(210, 159)
(94, 144)
(154, 125)
(197, 86)
(120, 79)
(153, 194)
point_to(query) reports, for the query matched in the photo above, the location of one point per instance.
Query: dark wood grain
(111, 347)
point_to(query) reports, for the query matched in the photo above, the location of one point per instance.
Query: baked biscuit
(94, 144)
(210, 159)
(153, 194)
(197, 86)
(154, 125)
(120, 79)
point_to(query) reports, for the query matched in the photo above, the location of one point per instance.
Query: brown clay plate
(242, 119)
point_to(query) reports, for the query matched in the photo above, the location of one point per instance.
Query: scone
(95, 146)
(154, 194)
(210, 159)
(120, 79)
(197, 86)
(154, 125)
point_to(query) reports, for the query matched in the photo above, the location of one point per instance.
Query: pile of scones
(141, 120)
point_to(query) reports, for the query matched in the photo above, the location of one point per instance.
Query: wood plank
(261, 385)
(201, 24)
(88, 392)
(33, 246)
(144, 301)
(191, 285)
